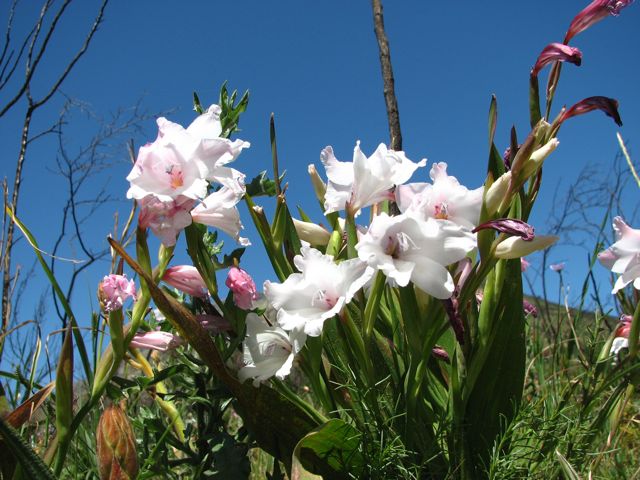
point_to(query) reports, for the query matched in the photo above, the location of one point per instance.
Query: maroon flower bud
(529, 309)
(440, 353)
(116, 446)
(593, 13)
(451, 307)
(510, 226)
(556, 52)
(608, 105)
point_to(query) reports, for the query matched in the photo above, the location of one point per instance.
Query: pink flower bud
(557, 267)
(524, 264)
(556, 52)
(160, 341)
(187, 279)
(114, 290)
(609, 107)
(593, 13)
(243, 288)
(624, 327)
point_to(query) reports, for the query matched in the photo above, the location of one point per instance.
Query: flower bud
(497, 192)
(243, 288)
(510, 226)
(515, 247)
(311, 232)
(319, 187)
(160, 341)
(114, 290)
(537, 157)
(187, 279)
(115, 445)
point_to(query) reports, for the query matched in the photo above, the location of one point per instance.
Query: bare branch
(387, 77)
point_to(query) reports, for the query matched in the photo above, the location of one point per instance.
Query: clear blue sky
(315, 64)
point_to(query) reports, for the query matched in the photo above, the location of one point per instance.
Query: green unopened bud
(515, 247)
(318, 184)
(537, 157)
(497, 192)
(541, 131)
(116, 446)
(311, 232)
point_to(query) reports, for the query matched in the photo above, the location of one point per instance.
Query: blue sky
(315, 65)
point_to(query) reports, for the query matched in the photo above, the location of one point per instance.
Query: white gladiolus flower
(407, 249)
(305, 300)
(268, 350)
(623, 257)
(364, 181)
(444, 199)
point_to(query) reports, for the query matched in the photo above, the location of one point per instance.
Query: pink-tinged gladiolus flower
(157, 340)
(445, 199)
(515, 247)
(623, 257)
(322, 288)
(608, 105)
(364, 181)
(556, 52)
(114, 290)
(215, 152)
(557, 267)
(407, 249)
(510, 226)
(593, 13)
(268, 350)
(524, 264)
(219, 210)
(180, 161)
(165, 219)
(621, 335)
(166, 169)
(243, 288)
(187, 279)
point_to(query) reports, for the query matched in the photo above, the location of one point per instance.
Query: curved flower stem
(168, 407)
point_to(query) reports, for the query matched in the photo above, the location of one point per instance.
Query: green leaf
(497, 388)
(261, 185)
(567, 469)
(64, 387)
(197, 106)
(30, 462)
(82, 351)
(332, 450)
(534, 101)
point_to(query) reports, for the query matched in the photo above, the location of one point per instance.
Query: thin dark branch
(77, 57)
(387, 77)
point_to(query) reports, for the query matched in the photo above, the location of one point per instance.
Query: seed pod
(116, 447)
